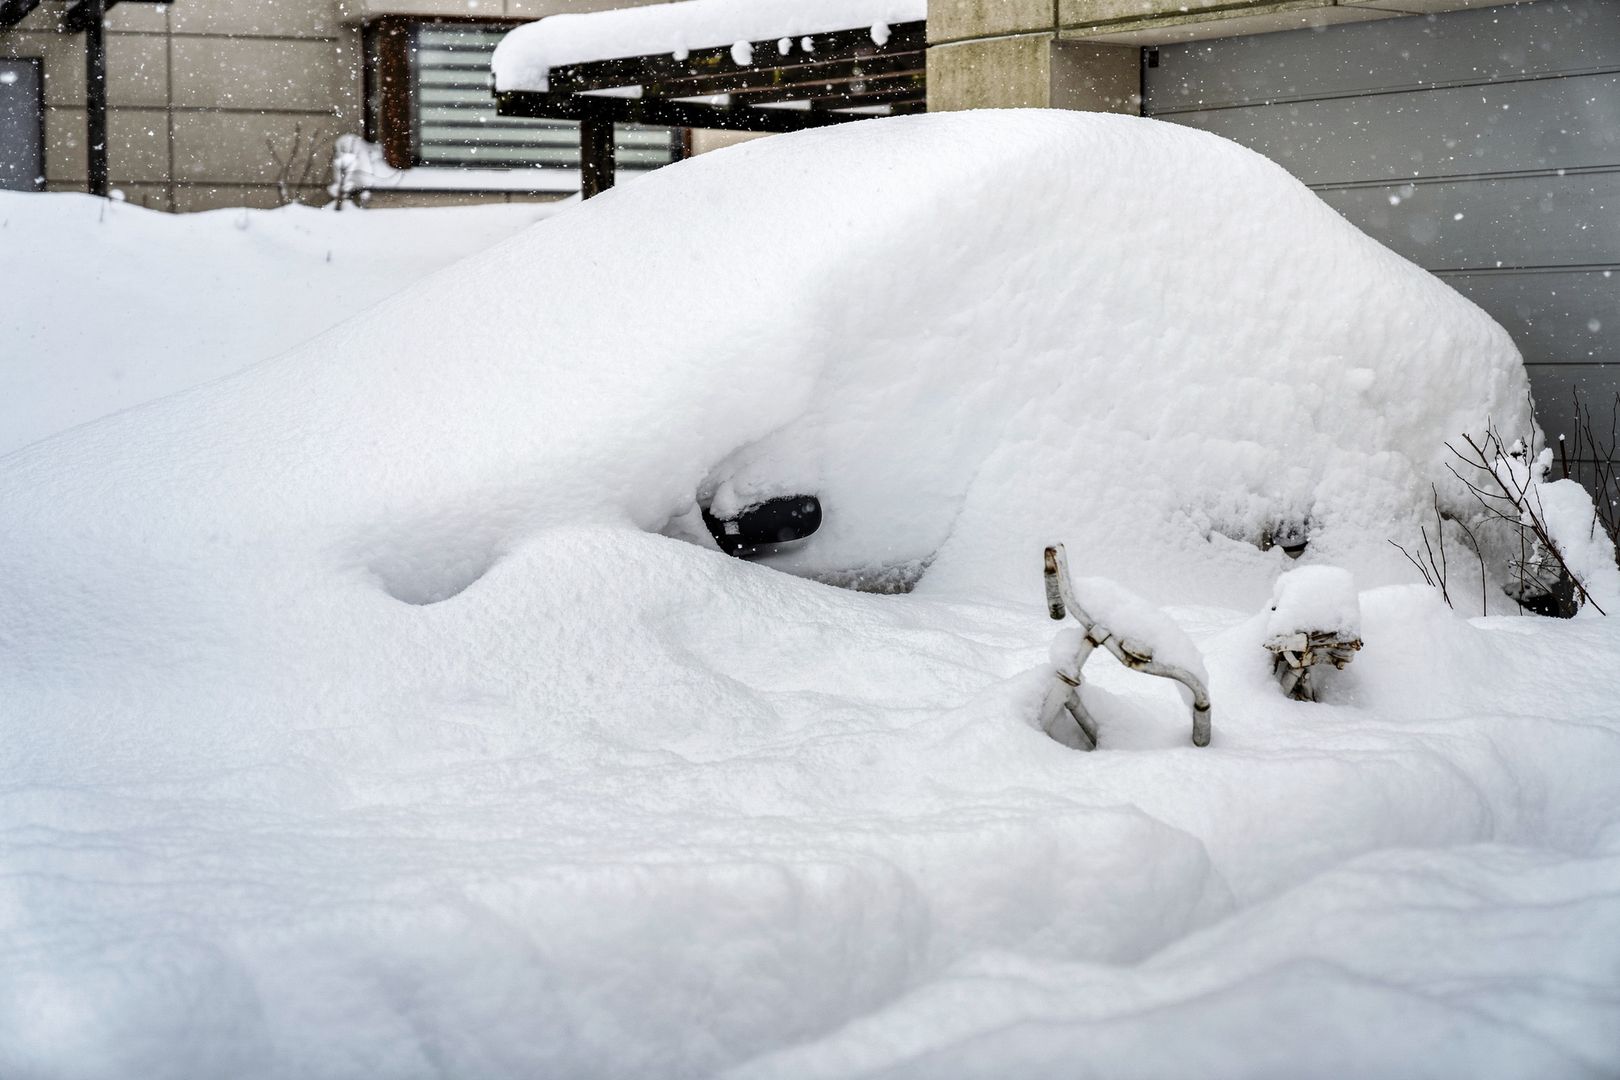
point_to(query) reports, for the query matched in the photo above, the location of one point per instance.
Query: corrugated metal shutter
(1483, 145)
(456, 122)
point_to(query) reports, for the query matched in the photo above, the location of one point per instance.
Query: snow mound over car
(967, 334)
(369, 713)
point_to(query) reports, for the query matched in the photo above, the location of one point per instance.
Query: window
(22, 126)
(429, 103)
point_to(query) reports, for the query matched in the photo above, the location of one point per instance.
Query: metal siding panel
(1554, 385)
(22, 126)
(1570, 123)
(1566, 325)
(1491, 152)
(1555, 317)
(1509, 222)
(1463, 47)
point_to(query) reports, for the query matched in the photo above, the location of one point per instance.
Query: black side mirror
(765, 525)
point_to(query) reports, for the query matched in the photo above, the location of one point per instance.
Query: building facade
(1479, 139)
(216, 103)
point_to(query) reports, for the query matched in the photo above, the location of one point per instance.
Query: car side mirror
(765, 525)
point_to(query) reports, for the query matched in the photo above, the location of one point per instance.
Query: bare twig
(1593, 451)
(294, 170)
(1440, 535)
(1527, 512)
(1479, 553)
(1427, 580)
(1435, 568)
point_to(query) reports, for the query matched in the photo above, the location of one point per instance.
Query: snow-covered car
(387, 709)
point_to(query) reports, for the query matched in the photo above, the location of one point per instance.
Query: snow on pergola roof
(528, 55)
(740, 65)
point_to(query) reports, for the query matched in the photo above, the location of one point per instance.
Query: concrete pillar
(1092, 77)
(1007, 54)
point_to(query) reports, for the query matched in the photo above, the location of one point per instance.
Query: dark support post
(95, 93)
(595, 155)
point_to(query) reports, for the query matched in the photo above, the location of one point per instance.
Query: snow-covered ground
(108, 305)
(383, 711)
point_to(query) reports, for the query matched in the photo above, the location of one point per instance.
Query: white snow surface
(1137, 624)
(360, 719)
(107, 305)
(1564, 509)
(1314, 599)
(524, 58)
(365, 169)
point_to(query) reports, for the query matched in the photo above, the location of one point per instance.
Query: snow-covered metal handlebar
(1136, 655)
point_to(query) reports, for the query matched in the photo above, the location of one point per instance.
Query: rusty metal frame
(1138, 656)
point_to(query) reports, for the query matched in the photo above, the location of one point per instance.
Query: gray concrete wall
(203, 95)
(1008, 54)
(214, 103)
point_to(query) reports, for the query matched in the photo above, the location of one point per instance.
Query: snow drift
(108, 304)
(368, 713)
(965, 334)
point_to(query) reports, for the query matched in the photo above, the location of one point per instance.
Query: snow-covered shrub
(1564, 561)
(348, 169)
(360, 167)
(1312, 623)
(1599, 451)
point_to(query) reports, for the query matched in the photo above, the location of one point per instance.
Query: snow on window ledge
(358, 166)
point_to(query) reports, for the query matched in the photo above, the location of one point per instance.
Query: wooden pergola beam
(87, 17)
(717, 63)
(597, 164)
(545, 105)
(82, 14)
(90, 17)
(842, 71)
(772, 79)
(13, 12)
(862, 101)
(74, 20)
(914, 85)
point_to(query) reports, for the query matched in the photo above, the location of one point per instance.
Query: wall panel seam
(1461, 178)
(1504, 271)
(1385, 91)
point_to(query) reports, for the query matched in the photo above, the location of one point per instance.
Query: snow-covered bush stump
(1565, 559)
(1314, 618)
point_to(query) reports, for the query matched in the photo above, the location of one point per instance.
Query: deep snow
(366, 715)
(108, 305)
